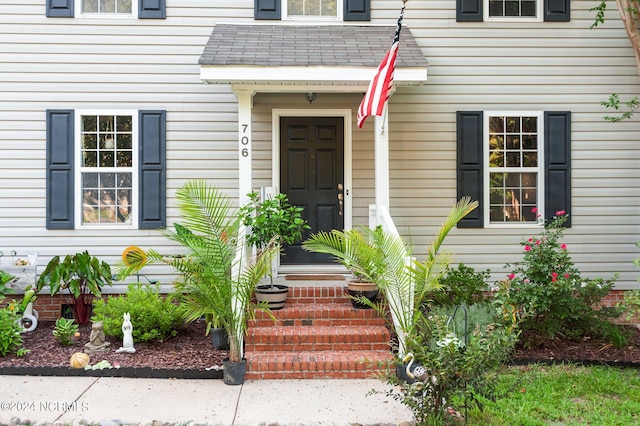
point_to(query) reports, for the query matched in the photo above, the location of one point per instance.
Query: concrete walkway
(110, 401)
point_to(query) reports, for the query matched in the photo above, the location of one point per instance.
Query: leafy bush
(461, 286)
(153, 317)
(10, 332)
(64, 331)
(549, 292)
(457, 369)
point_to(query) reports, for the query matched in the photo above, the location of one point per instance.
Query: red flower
(534, 210)
(560, 213)
(566, 275)
(527, 248)
(554, 277)
(537, 242)
(563, 246)
(512, 276)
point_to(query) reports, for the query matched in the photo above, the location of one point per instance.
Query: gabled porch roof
(322, 57)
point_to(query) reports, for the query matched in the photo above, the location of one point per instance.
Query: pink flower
(554, 277)
(530, 239)
(566, 275)
(563, 246)
(527, 280)
(512, 276)
(560, 213)
(537, 242)
(534, 210)
(527, 248)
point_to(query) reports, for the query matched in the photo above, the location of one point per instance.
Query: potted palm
(79, 277)
(272, 220)
(216, 281)
(357, 250)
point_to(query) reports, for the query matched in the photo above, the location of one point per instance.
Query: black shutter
(557, 163)
(152, 200)
(152, 9)
(266, 9)
(557, 10)
(60, 8)
(60, 169)
(357, 10)
(469, 11)
(469, 164)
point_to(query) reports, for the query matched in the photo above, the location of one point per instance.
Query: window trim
(338, 18)
(538, 18)
(132, 15)
(135, 169)
(540, 182)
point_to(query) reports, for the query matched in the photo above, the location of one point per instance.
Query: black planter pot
(220, 339)
(359, 289)
(233, 372)
(275, 295)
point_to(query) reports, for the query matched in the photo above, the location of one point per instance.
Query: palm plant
(215, 279)
(386, 259)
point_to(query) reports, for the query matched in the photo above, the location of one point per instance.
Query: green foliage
(80, 275)
(461, 286)
(64, 331)
(630, 305)
(628, 108)
(153, 317)
(4, 279)
(272, 218)
(455, 368)
(549, 292)
(10, 333)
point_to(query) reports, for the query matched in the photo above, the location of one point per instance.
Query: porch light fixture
(311, 96)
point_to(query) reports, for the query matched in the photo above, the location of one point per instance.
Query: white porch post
(243, 254)
(381, 147)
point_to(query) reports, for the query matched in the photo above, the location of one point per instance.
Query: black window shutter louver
(152, 189)
(557, 10)
(60, 8)
(267, 9)
(59, 185)
(469, 11)
(469, 162)
(152, 9)
(357, 10)
(557, 158)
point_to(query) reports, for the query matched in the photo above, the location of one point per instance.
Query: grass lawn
(562, 395)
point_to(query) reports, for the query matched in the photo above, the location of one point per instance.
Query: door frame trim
(347, 115)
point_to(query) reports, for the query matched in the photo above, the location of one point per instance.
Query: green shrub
(64, 331)
(10, 332)
(549, 293)
(461, 286)
(153, 317)
(456, 369)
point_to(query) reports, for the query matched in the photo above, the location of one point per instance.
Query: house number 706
(244, 141)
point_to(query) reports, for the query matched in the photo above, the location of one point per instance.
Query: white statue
(127, 340)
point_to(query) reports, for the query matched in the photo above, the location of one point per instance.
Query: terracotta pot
(362, 288)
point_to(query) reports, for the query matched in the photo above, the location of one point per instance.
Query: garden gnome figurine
(97, 341)
(127, 339)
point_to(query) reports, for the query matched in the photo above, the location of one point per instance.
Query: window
(513, 169)
(511, 162)
(106, 169)
(513, 8)
(315, 9)
(106, 176)
(105, 7)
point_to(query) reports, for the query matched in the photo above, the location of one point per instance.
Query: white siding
(153, 64)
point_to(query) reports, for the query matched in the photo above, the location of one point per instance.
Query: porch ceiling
(339, 58)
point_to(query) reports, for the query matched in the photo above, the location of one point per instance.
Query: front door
(312, 176)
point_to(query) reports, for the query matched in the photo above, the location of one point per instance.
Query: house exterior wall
(101, 63)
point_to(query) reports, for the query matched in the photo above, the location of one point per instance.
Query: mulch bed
(190, 354)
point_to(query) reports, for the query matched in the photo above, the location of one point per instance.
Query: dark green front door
(312, 176)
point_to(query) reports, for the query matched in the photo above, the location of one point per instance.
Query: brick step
(294, 339)
(325, 314)
(316, 364)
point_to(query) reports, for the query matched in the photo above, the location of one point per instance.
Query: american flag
(378, 91)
